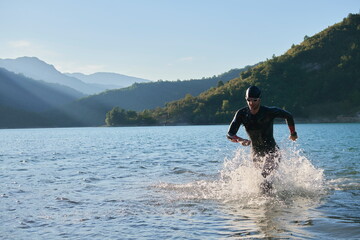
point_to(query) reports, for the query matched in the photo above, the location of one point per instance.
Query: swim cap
(253, 92)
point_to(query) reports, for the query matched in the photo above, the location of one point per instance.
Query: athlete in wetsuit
(258, 122)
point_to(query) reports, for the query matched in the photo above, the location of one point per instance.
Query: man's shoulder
(275, 111)
(243, 110)
(270, 109)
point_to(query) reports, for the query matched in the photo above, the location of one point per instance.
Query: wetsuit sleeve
(234, 125)
(280, 113)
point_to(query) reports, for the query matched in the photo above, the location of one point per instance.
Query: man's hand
(237, 139)
(293, 136)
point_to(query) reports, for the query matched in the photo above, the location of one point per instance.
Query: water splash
(239, 181)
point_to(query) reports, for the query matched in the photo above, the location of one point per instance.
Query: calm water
(177, 183)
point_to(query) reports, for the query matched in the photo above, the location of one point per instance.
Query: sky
(161, 39)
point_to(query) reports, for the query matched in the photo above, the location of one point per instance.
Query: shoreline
(297, 121)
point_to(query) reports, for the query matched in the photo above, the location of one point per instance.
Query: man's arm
(234, 126)
(280, 113)
(233, 129)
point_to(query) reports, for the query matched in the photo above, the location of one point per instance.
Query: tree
(115, 117)
(220, 83)
(225, 105)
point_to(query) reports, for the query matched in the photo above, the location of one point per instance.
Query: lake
(180, 182)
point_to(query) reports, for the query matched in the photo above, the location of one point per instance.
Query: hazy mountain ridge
(34, 68)
(37, 69)
(113, 80)
(23, 93)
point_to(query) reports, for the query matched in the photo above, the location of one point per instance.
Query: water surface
(185, 182)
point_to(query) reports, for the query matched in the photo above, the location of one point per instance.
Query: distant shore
(338, 119)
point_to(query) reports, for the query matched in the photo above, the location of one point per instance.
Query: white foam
(239, 180)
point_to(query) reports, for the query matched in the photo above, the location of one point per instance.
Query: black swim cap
(253, 92)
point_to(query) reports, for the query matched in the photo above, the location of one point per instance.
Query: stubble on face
(254, 106)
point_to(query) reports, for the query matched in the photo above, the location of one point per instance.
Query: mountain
(16, 118)
(22, 93)
(317, 80)
(112, 80)
(34, 68)
(91, 110)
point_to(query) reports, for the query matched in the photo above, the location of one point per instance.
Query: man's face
(253, 103)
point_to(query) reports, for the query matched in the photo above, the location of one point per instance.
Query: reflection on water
(273, 219)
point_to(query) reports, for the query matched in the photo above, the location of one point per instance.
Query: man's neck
(254, 111)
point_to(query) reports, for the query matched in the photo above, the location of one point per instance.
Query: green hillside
(317, 80)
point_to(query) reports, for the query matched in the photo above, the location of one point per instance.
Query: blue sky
(161, 39)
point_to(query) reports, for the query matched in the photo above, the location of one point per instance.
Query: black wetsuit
(259, 127)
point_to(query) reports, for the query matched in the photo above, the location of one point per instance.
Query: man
(258, 121)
